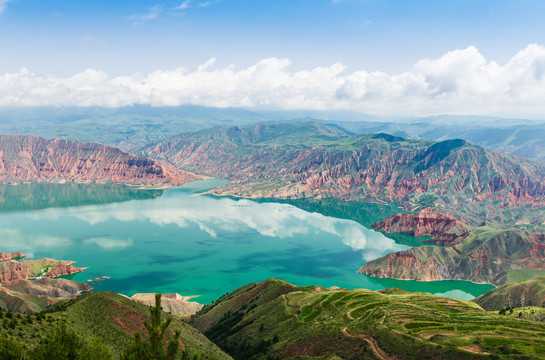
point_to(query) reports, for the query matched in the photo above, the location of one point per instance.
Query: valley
(308, 203)
(270, 180)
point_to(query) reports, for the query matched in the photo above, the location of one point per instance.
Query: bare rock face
(14, 255)
(28, 286)
(175, 304)
(444, 229)
(35, 159)
(13, 270)
(56, 288)
(36, 295)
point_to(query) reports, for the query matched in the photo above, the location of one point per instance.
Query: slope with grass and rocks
(277, 320)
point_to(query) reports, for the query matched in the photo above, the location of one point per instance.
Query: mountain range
(135, 126)
(312, 159)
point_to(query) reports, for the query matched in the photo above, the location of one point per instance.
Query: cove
(180, 241)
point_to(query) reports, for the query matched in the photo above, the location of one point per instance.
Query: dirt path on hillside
(381, 354)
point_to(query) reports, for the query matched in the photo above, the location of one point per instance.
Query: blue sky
(124, 38)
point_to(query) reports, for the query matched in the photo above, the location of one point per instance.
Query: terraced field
(279, 320)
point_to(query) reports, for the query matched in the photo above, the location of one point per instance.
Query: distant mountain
(277, 320)
(35, 159)
(135, 126)
(312, 159)
(125, 127)
(520, 137)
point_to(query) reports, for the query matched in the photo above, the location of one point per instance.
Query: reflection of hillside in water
(34, 196)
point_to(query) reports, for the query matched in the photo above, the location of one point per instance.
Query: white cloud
(3, 4)
(153, 13)
(186, 4)
(207, 3)
(459, 82)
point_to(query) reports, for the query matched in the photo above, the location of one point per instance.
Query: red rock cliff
(4, 256)
(35, 159)
(444, 229)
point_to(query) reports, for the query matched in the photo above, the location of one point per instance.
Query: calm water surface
(196, 245)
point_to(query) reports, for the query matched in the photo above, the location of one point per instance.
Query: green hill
(527, 293)
(277, 320)
(107, 316)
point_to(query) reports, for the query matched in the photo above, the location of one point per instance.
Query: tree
(153, 348)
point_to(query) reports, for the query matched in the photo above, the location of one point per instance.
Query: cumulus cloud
(459, 82)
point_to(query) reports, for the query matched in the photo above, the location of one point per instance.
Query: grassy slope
(105, 315)
(284, 321)
(527, 293)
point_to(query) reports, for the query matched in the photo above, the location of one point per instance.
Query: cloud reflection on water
(15, 240)
(227, 216)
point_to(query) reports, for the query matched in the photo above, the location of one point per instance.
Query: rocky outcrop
(56, 288)
(35, 159)
(445, 230)
(63, 269)
(12, 270)
(175, 304)
(19, 293)
(14, 255)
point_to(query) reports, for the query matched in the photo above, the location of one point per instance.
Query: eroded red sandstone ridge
(14, 255)
(30, 285)
(12, 270)
(484, 256)
(267, 161)
(35, 159)
(445, 230)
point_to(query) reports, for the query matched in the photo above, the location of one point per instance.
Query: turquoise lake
(180, 241)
